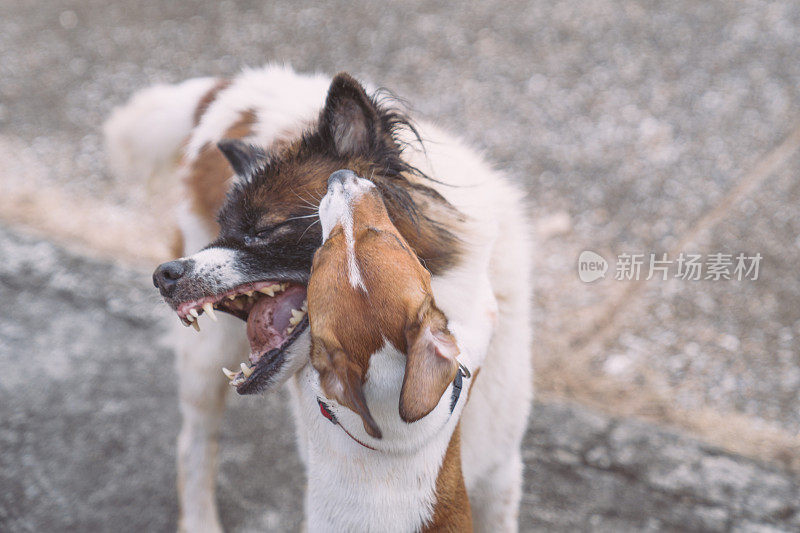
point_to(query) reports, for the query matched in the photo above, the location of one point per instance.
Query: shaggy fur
(464, 221)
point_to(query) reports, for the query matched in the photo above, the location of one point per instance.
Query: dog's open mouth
(275, 313)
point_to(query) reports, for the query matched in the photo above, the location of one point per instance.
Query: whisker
(305, 200)
(308, 228)
(304, 216)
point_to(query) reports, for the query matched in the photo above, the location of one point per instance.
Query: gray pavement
(628, 123)
(89, 418)
(635, 126)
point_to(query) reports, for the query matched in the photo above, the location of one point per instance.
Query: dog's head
(367, 288)
(259, 266)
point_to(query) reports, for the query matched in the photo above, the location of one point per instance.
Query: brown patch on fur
(208, 177)
(293, 183)
(208, 98)
(430, 238)
(349, 324)
(452, 511)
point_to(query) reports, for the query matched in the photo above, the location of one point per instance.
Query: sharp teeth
(194, 313)
(246, 370)
(269, 291)
(249, 293)
(232, 296)
(196, 325)
(305, 306)
(290, 330)
(283, 286)
(190, 318)
(209, 309)
(185, 322)
(228, 373)
(297, 316)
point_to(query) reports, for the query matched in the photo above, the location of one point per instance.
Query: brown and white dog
(380, 345)
(255, 201)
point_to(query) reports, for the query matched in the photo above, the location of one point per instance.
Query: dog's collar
(326, 412)
(463, 372)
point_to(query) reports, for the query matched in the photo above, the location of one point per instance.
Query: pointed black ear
(244, 158)
(350, 117)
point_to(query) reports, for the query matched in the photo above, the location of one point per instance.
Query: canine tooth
(194, 313)
(190, 318)
(228, 373)
(209, 309)
(196, 325)
(246, 370)
(267, 290)
(297, 316)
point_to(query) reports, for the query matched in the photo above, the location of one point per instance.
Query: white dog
(253, 155)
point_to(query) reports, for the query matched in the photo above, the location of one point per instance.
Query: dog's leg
(200, 357)
(496, 497)
(494, 422)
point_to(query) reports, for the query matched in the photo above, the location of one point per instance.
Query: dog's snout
(341, 177)
(167, 275)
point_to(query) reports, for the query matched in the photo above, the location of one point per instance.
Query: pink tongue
(269, 319)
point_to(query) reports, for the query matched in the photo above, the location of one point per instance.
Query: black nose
(167, 275)
(341, 176)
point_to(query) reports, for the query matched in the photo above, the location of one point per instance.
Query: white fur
(494, 270)
(336, 207)
(144, 137)
(281, 100)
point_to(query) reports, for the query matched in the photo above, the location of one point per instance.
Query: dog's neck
(410, 479)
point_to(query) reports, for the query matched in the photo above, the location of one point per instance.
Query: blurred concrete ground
(89, 420)
(636, 127)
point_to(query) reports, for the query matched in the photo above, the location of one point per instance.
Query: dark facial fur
(269, 219)
(269, 214)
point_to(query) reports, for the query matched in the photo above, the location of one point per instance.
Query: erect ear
(244, 158)
(341, 380)
(430, 363)
(350, 117)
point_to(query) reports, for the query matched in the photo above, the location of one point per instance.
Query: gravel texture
(635, 126)
(90, 417)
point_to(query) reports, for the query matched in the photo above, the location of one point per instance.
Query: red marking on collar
(326, 412)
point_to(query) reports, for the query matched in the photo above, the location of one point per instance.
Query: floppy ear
(341, 380)
(430, 363)
(350, 117)
(244, 158)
